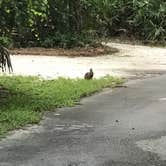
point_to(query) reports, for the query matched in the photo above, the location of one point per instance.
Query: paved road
(123, 127)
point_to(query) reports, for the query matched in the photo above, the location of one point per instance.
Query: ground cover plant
(23, 100)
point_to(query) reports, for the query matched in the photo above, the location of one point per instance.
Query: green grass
(24, 99)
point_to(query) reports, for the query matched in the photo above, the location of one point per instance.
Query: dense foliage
(68, 23)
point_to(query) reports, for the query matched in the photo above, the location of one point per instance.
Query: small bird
(89, 75)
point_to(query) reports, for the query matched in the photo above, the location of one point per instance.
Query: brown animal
(89, 75)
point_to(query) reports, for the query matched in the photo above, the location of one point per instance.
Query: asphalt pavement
(117, 127)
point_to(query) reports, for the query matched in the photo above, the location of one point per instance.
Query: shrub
(66, 40)
(6, 41)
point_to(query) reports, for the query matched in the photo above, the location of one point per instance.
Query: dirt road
(132, 61)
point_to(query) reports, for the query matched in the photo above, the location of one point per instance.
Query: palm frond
(5, 61)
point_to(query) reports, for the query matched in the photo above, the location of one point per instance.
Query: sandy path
(131, 61)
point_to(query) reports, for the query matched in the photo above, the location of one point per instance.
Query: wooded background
(70, 23)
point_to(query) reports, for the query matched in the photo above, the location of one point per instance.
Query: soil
(74, 52)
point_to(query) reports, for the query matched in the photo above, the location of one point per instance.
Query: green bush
(6, 41)
(67, 24)
(66, 40)
(149, 19)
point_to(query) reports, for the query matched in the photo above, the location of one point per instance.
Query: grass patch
(24, 99)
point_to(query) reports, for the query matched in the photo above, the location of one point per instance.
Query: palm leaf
(5, 61)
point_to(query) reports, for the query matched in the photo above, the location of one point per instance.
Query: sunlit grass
(24, 99)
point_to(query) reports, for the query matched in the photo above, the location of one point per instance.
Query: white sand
(130, 61)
